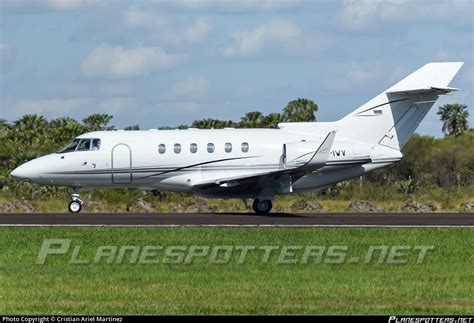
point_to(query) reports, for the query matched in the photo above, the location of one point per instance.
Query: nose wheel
(262, 207)
(75, 205)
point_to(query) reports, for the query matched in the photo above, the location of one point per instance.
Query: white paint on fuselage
(180, 171)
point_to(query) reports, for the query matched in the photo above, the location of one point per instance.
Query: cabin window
(245, 147)
(161, 148)
(177, 148)
(228, 147)
(210, 148)
(193, 148)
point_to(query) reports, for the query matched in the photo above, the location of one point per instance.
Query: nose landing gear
(75, 205)
(262, 207)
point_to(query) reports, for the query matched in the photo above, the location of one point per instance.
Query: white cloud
(32, 5)
(198, 31)
(140, 18)
(251, 42)
(163, 29)
(49, 107)
(356, 77)
(116, 105)
(361, 14)
(181, 108)
(74, 107)
(114, 88)
(364, 73)
(107, 61)
(232, 6)
(195, 86)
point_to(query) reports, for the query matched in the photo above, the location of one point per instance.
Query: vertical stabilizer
(392, 117)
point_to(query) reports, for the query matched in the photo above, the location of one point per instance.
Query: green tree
(63, 129)
(30, 129)
(212, 124)
(134, 127)
(454, 118)
(3, 124)
(300, 110)
(251, 120)
(272, 120)
(98, 122)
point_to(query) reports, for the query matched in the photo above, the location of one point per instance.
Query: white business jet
(248, 163)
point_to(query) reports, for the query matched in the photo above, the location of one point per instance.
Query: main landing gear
(75, 205)
(262, 207)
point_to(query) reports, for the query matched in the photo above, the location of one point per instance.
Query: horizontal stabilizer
(431, 77)
(432, 89)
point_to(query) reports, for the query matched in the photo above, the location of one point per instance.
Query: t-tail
(391, 118)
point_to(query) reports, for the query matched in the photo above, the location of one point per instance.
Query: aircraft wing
(278, 180)
(321, 155)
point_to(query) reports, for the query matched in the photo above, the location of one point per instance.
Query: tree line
(444, 163)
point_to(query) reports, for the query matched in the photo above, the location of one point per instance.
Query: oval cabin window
(245, 147)
(228, 147)
(161, 148)
(210, 148)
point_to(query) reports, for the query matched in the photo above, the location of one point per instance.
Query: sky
(169, 62)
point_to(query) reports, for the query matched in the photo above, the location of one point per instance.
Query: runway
(241, 220)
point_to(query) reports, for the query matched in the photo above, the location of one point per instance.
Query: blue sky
(169, 62)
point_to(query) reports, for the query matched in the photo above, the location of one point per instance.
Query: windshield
(81, 145)
(84, 145)
(69, 147)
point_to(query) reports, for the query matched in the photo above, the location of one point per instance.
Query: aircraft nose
(24, 171)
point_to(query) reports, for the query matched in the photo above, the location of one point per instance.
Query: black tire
(75, 207)
(262, 207)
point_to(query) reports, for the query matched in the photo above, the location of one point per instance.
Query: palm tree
(97, 122)
(3, 124)
(210, 123)
(30, 129)
(300, 110)
(272, 120)
(251, 120)
(454, 118)
(64, 129)
(204, 123)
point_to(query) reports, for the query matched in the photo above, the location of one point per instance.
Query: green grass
(443, 284)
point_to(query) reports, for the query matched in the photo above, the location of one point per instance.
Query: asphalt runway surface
(242, 220)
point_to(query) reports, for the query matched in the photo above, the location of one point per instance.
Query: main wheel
(262, 207)
(75, 207)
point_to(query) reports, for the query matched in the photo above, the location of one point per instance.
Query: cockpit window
(69, 147)
(95, 144)
(84, 145)
(81, 145)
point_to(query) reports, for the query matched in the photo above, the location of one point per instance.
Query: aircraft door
(121, 164)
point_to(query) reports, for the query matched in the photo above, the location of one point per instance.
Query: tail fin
(390, 118)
